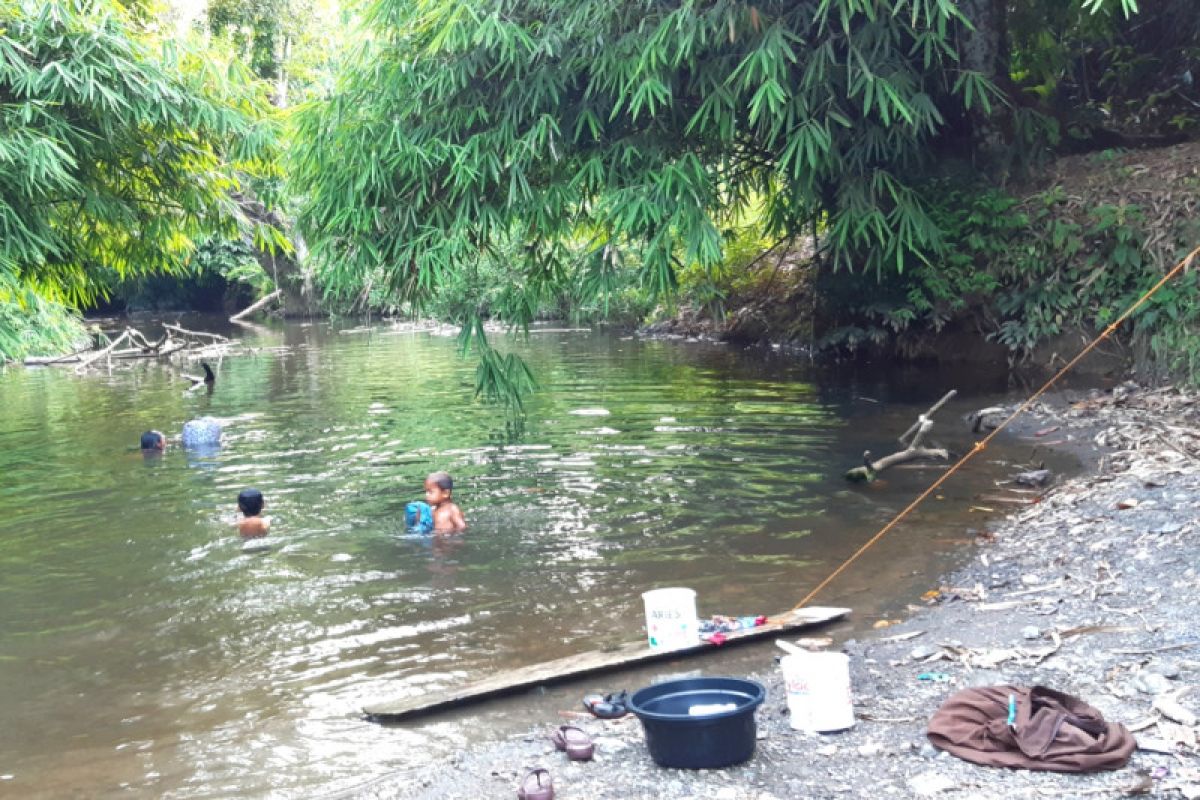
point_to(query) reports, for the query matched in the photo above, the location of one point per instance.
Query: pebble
(1030, 632)
(930, 783)
(826, 750)
(1151, 683)
(1168, 669)
(869, 749)
(985, 677)
(922, 651)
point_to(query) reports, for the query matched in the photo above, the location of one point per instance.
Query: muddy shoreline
(1091, 591)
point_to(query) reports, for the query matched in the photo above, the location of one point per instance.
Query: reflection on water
(143, 652)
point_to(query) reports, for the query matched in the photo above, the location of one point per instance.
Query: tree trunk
(986, 50)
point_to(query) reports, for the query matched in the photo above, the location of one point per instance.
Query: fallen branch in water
(216, 337)
(107, 351)
(250, 309)
(195, 343)
(913, 449)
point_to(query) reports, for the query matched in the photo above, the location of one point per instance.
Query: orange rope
(983, 443)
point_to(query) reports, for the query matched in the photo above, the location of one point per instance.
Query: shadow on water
(145, 652)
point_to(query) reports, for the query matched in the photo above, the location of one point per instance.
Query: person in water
(447, 516)
(202, 432)
(153, 441)
(252, 525)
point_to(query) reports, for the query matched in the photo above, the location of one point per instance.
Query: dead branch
(138, 347)
(39, 361)
(250, 309)
(216, 337)
(917, 426)
(85, 363)
(912, 446)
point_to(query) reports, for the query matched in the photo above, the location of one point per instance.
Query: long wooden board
(563, 669)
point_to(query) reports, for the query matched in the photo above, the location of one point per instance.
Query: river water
(143, 654)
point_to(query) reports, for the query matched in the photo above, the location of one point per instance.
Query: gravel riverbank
(1091, 591)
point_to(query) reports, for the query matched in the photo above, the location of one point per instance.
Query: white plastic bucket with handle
(671, 618)
(818, 691)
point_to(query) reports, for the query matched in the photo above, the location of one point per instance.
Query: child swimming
(252, 525)
(447, 516)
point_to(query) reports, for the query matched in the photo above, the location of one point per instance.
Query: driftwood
(107, 351)
(69, 358)
(250, 309)
(138, 346)
(912, 446)
(216, 337)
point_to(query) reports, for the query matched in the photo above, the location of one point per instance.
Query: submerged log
(912, 447)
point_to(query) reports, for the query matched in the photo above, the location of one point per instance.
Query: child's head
(438, 487)
(250, 502)
(153, 440)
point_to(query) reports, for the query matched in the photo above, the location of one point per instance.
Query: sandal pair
(575, 742)
(607, 706)
(536, 785)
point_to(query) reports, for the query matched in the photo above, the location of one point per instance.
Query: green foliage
(1091, 67)
(220, 275)
(234, 262)
(37, 327)
(1025, 272)
(114, 158)
(907, 308)
(256, 29)
(291, 43)
(628, 128)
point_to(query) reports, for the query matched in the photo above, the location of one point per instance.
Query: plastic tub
(717, 736)
(671, 618)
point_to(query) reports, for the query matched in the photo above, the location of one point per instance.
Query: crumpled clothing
(1049, 730)
(714, 630)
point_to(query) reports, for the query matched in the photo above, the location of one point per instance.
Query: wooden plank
(564, 669)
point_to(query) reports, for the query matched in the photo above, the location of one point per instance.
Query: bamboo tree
(114, 157)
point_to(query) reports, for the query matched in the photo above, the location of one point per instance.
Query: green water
(144, 655)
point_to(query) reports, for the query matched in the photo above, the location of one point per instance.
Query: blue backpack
(418, 517)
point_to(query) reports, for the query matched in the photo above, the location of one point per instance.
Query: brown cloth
(1053, 731)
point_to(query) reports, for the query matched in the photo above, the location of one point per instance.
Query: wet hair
(250, 502)
(443, 480)
(152, 440)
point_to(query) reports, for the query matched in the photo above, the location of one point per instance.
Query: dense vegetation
(497, 159)
(115, 156)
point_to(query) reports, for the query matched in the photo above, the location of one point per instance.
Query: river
(143, 654)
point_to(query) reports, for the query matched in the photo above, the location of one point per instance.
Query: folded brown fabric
(1050, 730)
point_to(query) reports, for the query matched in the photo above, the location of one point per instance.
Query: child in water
(252, 525)
(153, 442)
(447, 516)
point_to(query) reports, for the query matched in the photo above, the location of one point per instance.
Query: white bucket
(671, 618)
(818, 691)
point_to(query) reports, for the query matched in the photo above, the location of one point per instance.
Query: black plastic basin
(678, 739)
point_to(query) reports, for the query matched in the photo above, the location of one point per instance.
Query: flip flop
(534, 787)
(607, 706)
(575, 742)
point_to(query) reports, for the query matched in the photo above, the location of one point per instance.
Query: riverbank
(1091, 591)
